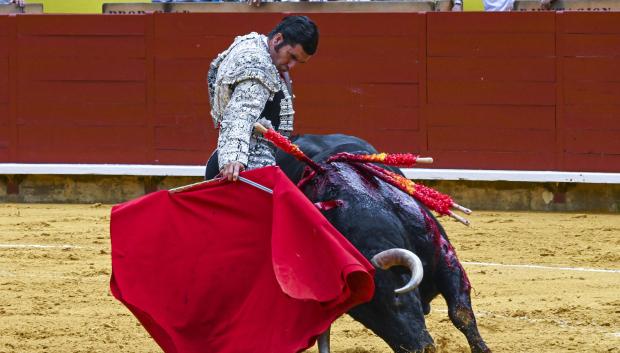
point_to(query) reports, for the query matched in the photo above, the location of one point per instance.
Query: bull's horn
(401, 257)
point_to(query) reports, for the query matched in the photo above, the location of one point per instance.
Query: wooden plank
(492, 116)
(345, 69)
(81, 112)
(592, 141)
(560, 101)
(357, 25)
(589, 45)
(82, 46)
(369, 47)
(81, 25)
(149, 39)
(492, 93)
(384, 95)
(337, 63)
(491, 44)
(569, 5)
(4, 116)
(395, 141)
(591, 92)
(11, 73)
(173, 114)
(212, 25)
(81, 144)
(491, 69)
(82, 69)
(4, 26)
(495, 22)
(86, 91)
(4, 80)
(5, 47)
(330, 24)
(297, 7)
(181, 69)
(423, 85)
(592, 69)
(185, 157)
(592, 162)
(381, 119)
(309, 7)
(493, 160)
(592, 22)
(487, 139)
(182, 138)
(27, 8)
(205, 46)
(4, 138)
(323, 94)
(332, 119)
(597, 116)
(181, 92)
(333, 63)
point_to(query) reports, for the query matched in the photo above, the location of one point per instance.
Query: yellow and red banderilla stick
(431, 198)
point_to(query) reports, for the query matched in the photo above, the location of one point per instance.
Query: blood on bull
(375, 214)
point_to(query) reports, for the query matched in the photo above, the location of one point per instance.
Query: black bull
(375, 216)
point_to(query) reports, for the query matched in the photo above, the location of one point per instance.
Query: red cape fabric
(224, 267)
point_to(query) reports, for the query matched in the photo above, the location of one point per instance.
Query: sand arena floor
(55, 267)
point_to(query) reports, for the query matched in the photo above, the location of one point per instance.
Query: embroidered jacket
(245, 86)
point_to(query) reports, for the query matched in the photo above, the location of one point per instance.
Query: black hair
(298, 30)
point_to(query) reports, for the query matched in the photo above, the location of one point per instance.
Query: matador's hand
(231, 171)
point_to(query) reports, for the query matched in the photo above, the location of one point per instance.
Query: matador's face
(286, 56)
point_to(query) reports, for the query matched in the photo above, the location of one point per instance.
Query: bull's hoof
(480, 349)
(428, 349)
(426, 308)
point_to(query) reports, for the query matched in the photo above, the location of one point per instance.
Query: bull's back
(319, 148)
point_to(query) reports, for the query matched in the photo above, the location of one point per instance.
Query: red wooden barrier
(474, 90)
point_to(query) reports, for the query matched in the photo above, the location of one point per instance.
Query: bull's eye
(397, 301)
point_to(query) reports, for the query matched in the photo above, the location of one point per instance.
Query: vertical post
(149, 37)
(559, 93)
(423, 81)
(151, 183)
(13, 90)
(12, 183)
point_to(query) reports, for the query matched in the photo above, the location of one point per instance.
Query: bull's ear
(401, 257)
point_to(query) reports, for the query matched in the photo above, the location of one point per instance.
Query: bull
(374, 216)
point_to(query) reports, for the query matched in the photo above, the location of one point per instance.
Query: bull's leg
(323, 341)
(455, 288)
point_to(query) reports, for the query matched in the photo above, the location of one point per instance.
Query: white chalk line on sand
(489, 264)
(567, 324)
(541, 267)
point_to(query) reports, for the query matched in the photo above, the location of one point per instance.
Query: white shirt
(498, 5)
